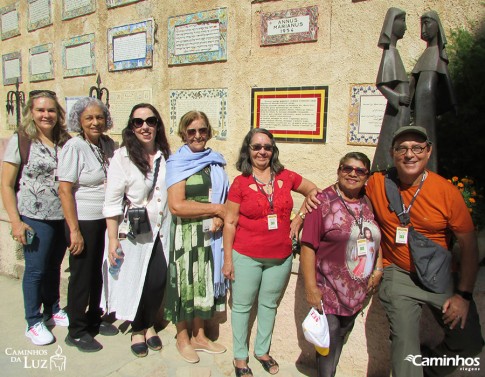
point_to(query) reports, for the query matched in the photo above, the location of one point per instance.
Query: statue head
(388, 26)
(431, 17)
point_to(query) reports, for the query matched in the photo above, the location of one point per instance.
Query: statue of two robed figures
(418, 98)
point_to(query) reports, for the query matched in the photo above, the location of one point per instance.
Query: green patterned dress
(190, 288)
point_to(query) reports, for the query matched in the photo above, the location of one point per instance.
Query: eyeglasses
(416, 149)
(36, 92)
(150, 121)
(258, 147)
(360, 172)
(193, 131)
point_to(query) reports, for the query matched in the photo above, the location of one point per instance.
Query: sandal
(268, 364)
(240, 372)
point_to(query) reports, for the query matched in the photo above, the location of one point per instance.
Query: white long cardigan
(122, 294)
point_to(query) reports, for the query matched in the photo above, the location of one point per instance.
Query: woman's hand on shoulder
(311, 201)
(77, 242)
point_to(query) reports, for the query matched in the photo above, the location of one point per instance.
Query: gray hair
(74, 121)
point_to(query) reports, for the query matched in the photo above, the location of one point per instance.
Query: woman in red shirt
(257, 242)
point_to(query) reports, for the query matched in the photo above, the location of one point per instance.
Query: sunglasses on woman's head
(36, 92)
(258, 147)
(150, 121)
(193, 131)
(347, 169)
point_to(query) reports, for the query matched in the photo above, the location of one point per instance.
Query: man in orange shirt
(436, 210)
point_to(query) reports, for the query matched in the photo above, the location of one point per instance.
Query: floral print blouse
(37, 197)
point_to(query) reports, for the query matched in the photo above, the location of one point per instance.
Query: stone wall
(346, 53)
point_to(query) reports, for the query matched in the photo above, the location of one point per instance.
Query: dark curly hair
(135, 150)
(243, 163)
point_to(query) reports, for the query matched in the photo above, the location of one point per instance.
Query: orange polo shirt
(438, 208)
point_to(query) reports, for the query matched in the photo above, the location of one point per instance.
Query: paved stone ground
(19, 357)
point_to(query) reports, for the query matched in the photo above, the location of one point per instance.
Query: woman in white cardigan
(137, 174)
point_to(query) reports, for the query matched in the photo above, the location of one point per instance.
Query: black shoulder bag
(138, 217)
(432, 261)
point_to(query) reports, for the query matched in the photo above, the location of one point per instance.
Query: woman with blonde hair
(29, 194)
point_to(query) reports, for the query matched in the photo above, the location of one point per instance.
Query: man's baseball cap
(410, 130)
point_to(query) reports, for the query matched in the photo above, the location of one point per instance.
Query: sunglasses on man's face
(150, 121)
(258, 147)
(191, 132)
(347, 169)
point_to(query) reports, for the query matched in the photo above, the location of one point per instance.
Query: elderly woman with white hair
(83, 165)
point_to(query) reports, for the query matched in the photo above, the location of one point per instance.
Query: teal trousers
(265, 279)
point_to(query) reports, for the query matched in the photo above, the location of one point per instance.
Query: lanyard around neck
(406, 210)
(99, 154)
(268, 196)
(359, 220)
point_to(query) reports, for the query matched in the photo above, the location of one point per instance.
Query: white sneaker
(39, 334)
(58, 319)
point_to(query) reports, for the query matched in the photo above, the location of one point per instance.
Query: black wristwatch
(466, 295)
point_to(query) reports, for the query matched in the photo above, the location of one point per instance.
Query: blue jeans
(42, 273)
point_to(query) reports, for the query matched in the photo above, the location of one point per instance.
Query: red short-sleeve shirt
(253, 238)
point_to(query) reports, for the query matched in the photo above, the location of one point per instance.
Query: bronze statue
(392, 81)
(430, 84)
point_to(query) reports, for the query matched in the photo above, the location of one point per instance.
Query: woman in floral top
(35, 207)
(338, 242)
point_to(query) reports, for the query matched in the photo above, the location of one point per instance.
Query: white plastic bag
(315, 330)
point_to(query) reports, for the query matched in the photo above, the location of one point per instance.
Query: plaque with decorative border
(198, 37)
(12, 68)
(39, 14)
(78, 58)
(367, 106)
(75, 8)
(41, 64)
(304, 110)
(213, 102)
(120, 104)
(289, 26)
(9, 21)
(130, 46)
(119, 3)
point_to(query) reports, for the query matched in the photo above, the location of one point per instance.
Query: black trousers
(339, 327)
(153, 289)
(86, 280)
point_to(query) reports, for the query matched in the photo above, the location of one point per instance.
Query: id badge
(206, 225)
(55, 176)
(209, 196)
(272, 222)
(361, 247)
(401, 235)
